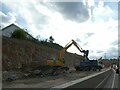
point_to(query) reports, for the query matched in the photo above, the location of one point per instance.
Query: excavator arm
(64, 49)
(86, 52)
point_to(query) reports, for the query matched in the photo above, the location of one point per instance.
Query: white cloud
(91, 3)
(45, 22)
(7, 18)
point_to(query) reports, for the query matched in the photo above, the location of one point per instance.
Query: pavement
(113, 80)
(93, 81)
(108, 79)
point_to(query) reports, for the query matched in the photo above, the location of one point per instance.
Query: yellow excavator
(59, 64)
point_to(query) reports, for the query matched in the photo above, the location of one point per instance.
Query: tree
(46, 40)
(19, 33)
(38, 37)
(51, 39)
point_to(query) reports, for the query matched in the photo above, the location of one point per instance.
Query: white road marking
(78, 80)
(113, 80)
(102, 81)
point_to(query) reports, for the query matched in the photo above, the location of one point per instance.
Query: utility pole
(118, 61)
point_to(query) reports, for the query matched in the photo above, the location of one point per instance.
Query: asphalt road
(107, 80)
(113, 81)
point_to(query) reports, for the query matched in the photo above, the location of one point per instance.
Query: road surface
(107, 80)
(113, 81)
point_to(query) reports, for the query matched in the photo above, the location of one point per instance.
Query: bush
(19, 33)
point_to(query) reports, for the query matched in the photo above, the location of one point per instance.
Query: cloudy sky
(92, 24)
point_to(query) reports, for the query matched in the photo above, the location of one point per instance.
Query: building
(11, 28)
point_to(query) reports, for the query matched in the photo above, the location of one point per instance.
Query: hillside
(25, 54)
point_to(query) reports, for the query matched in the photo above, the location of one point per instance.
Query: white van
(114, 67)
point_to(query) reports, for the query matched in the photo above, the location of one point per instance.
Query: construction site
(28, 64)
(36, 37)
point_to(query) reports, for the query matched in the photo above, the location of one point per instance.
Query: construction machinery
(89, 65)
(59, 64)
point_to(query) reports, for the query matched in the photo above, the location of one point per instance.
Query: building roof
(10, 26)
(17, 27)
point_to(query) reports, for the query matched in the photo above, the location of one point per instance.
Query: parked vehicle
(114, 66)
(89, 65)
(117, 70)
